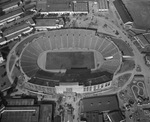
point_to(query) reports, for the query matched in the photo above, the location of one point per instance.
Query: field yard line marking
(67, 38)
(30, 70)
(113, 60)
(28, 56)
(73, 44)
(79, 39)
(90, 41)
(44, 42)
(31, 53)
(96, 42)
(50, 43)
(107, 68)
(109, 51)
(34, 49)
(40, 46)
(61, 41)
(84, 41)
(31, 65)
(47, 79)
(115, 53)
(105, 47)
(101, 44)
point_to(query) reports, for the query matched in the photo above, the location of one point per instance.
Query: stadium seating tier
(66, 39)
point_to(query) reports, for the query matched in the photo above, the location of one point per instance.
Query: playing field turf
(67, 60)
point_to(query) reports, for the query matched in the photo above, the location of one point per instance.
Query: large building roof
(10, 15)
(26, 110)
(20, 114)
(11, 4)
(123, 12)
(45, 113)
(69, 5)
(94, 117)
(48, 22)
(99, 104)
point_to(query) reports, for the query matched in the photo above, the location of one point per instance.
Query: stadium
(71, 56)
(74, 61)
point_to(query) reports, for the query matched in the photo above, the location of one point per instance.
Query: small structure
(147, 60)
(142, 40)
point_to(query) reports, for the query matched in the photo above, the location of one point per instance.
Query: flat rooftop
(99, 104)
(68, 5)
(123, 12)
(20, 114)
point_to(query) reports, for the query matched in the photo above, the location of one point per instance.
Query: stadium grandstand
(79, 6)
(124, 47)
(101, 58)
(70, 61)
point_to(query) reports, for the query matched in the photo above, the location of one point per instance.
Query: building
(10, 16)
(26, 110)
(142, 40)
(22, 114)
(99, 104)
(81, 7)
(45, 23)
(45, 113)
(16, 30)
(72, 6)
(10, 5)
(103, 5)
(2, 39)
(92, 117)
(147, 36)
(26, 16)
(30, 6)
(115, 116)
(92, 108)
(18, 102)
(147, 60)
(4, 1)
(123, 12)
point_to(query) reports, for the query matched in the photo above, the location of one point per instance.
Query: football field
(67, 60)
